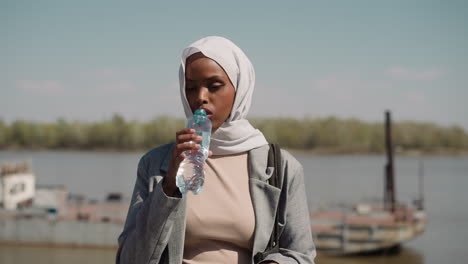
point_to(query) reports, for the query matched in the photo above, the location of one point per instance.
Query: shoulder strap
(275, 181)
(274, 160)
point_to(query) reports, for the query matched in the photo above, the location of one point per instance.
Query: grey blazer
(154, 230)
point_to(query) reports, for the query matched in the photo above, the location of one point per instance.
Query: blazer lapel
(264, 197)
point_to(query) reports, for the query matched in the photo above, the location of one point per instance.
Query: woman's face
(207, 86)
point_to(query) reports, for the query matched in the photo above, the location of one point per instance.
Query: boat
(48, 215)
(372, 226)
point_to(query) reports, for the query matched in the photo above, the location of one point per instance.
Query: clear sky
(85, 60)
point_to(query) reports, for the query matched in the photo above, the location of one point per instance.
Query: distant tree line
(323, 134)
(354, 136)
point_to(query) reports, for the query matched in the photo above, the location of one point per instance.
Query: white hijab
(236, 134)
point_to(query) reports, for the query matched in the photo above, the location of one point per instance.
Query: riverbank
(409, 153)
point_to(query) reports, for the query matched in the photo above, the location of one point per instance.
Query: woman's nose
(202, 97)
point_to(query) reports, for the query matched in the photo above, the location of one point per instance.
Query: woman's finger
(186, 146)
(185, 131)
(180, 158)
(188, 137)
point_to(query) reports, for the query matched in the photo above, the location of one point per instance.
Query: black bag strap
(274, 160)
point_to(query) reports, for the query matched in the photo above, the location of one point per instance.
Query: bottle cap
(199, 116)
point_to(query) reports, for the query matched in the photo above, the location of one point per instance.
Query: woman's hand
(182, 144)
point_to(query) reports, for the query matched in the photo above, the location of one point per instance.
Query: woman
(233, 216)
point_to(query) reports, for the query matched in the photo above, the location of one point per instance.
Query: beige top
(221, 219)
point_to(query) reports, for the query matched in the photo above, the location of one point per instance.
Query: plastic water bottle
(191, 174)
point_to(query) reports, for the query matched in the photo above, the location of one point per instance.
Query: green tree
(4, 134)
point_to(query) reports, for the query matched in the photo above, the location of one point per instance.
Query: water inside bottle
(191, 175)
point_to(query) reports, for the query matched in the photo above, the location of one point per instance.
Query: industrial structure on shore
(370, 227)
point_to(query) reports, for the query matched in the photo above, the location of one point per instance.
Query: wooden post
(389, 192)
(421, 185)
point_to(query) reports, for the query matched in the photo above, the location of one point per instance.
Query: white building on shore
(17, 186)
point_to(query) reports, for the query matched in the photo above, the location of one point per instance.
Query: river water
(342, 178)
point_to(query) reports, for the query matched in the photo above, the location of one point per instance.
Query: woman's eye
(216, 86)
(189, 88)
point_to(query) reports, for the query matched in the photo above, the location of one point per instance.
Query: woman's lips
(208, 111)
(209, 114)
